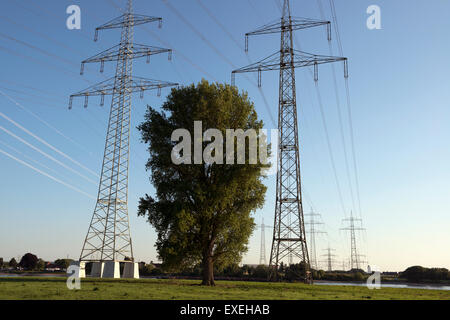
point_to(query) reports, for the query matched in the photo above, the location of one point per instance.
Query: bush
(233, 270)
(260, 272)
(146, 269)
(295, 272)
(358, 276)
(418, 273)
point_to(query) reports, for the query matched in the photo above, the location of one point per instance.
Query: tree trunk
(208, 270)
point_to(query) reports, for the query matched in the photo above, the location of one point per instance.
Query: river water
(385, 285)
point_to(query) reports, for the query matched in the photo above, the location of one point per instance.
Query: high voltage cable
(43, 121)
(82, 119)
(224, 29)
(37, 48)
(46, 174)
(338, 105)
(28, 157)
(217, 51)
(330, 151)
(208, 12)
(26, 93)
(16, 53)
(46, 154)
(349, 112)
(46, 143)
(42, 35)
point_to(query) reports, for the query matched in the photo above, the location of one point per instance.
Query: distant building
(50, 266)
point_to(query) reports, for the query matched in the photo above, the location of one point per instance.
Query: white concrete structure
(131, 270)
(97, 269)
(111, 270)
(79, 267)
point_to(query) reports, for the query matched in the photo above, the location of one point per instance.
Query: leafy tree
(418, 273)
(358, 276)
(201, 212)
(12, 263)
(28, 261)
(1, 262)
(233, 270)
(261, 272)
(40, 265)
(295, 272)
(146, 269)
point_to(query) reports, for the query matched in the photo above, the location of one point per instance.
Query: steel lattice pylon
(312, 222)
(289, 238)
(355, 257)
(108, 237)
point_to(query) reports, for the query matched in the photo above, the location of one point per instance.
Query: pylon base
(131, 270)
(97, 269)
(111, 270)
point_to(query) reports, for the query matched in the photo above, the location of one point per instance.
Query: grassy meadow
(31, 288)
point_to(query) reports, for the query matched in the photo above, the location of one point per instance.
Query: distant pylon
(262, 253)
(289, 237)
(313, 231)
(329, 258)
(108, 238)
(355, 257)
(262, 249)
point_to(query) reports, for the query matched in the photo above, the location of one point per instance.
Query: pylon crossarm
(280, 25)
(107, 87)
(114, 53)
(301, 59)
(127, 19)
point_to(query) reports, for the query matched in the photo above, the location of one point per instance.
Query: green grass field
(55, 288)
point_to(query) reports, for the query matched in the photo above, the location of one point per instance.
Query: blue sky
(399, 98)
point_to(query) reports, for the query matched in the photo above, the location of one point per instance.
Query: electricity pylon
(108, 238)
(355, 257)
(289, 237)
(313, 231)
(330, 258)
(262, 249)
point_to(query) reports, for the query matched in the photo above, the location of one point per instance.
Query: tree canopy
(29, 261)
(201, 212)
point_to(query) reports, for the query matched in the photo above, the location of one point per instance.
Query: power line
(217, 51)
(46, 174)
(349, 112)
(45, 154)
(43, 121)
(46, 143)
(29, 158)
(330, 150)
